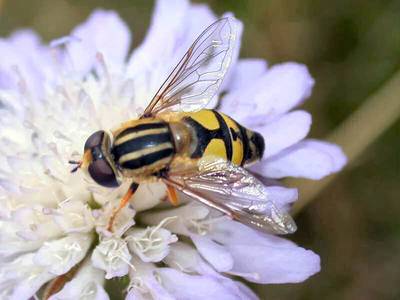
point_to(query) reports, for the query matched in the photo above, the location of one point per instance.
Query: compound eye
(94, 140)
(102, 173)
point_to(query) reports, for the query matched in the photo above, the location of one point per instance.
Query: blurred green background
(352, 48)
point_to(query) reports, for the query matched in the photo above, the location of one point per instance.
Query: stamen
(203, 226)
(63, 43)
(102, 62)
(22, 85)
(116, 252)
(162, 224)
(65, 201)
(147, 241)
(137, 284)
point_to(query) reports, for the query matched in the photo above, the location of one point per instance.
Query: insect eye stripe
(130, 136)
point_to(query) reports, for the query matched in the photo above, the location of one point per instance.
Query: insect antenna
(77, 163)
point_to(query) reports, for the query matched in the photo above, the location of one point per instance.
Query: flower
(53, 227)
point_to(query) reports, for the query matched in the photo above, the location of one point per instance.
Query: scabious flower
(53, 237)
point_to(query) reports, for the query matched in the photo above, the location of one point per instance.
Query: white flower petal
(21, 278)
(189, 219)
(12, 244)
(309, 159)
(34, 224)
(87, 284)
(144, 283)
(150, 244)
(148, 195)
(59, 256)
(185, 258)
(74, 216)
(112, 255)
(123, 221)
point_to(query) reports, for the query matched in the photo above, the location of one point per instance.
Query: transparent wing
(233, 191)
(199, 74)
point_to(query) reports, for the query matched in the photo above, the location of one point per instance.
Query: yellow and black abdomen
(144, 147)
(216, 134)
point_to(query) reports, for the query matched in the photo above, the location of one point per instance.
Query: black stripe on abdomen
(225, 135)
(148, 159)
(246, 147)
(203, 136)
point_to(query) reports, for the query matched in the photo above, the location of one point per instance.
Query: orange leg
(172, 196)
(132, 189)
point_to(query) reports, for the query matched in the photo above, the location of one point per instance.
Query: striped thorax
(143, 147)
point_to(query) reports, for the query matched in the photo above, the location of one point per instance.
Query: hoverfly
(198, 152)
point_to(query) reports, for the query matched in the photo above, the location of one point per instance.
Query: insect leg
(197, 196)
(172, 196)
(132, 189)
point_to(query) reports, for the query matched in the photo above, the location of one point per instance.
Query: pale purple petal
(245, 72)
(264, 258)
(245, 291)
(162, 40)
(240, 290)
(156, 290)
(75, 290)
(339, 159)
(282, 196)
(27, 62)
(18, 273)
(217, 255)
(285, 131)
(185, 286)
(287, 86)
(231, 232)
(175, 26)
(198, 18)
(102, 32)
(309, 159)
(281, 88)
(274, 264)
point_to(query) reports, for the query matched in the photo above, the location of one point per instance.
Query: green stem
(356, 133)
